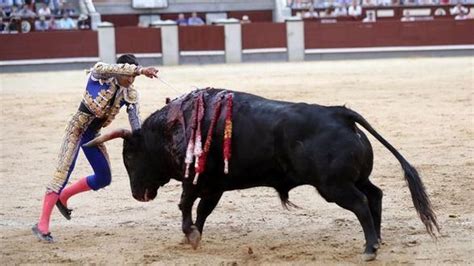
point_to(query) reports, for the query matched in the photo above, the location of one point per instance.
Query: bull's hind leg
(350, 198)
(374, 195)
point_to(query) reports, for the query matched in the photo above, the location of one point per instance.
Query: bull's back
(277, 142)
(273, 142)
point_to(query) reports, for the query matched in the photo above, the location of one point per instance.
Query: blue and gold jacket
(104, 97)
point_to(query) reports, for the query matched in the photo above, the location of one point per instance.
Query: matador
(109, 87)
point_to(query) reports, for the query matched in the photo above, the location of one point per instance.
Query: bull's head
(143, 173)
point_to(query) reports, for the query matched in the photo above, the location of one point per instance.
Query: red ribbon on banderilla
(228, 134)
(194, 149)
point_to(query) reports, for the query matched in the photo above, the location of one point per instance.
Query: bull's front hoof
(369, 256)
(185, 240)
(370, 252)
(194, 237)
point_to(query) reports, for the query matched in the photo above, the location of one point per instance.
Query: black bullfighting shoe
(63, 210)
(48, 238)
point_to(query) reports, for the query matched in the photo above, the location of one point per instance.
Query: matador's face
(125, 81)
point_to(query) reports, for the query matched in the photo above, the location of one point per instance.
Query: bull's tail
(420, 199)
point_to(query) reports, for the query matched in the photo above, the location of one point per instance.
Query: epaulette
(131, 95)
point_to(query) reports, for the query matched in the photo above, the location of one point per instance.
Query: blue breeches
(78, 133)
(98, 159)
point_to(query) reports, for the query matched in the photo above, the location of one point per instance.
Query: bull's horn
(118, 133)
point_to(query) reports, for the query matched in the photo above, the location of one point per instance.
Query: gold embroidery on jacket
(131, 94)
(105, 71)
(74, 130)
(99, 104)
(112, 110)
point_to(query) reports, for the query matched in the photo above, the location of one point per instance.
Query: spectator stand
(122, 20)
(28, 17)
(395, 12)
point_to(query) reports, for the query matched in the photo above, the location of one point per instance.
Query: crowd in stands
(355, 11)
(40, 15)
(195, 20)
(301, 4)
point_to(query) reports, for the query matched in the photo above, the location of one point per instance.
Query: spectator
(53, 24)
(5, 3)
(354, 10)
(407, 17)
(181, 21)
(329, 12)
(82, 23)
(194, 20)
(15, 25)
(310, 13)
(440, 12)
(326, 3)
(368, 3)
(462, 16)
(26, 12)
(370, 17)
(341, 11)
(55, 6)
(41, 24)
(384, 2)
(3, 14)
(459, 9)
(44, 10)
(69, 8)
(425, 2)
(14, 12)
(7, 10)
(66, 22)
(245, 19)
(344, 3)
(3, 26)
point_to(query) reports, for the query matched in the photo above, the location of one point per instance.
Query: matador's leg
(67, 156)
(99, 160)
(69, 149)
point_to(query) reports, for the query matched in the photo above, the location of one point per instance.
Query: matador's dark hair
(128, 59)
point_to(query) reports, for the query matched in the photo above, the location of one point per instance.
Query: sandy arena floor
(423, 106)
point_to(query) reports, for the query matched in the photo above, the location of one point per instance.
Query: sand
(422, 106)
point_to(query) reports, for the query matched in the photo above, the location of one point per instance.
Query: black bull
(275, 144)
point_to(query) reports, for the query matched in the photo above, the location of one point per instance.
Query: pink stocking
(78, 187)
(49, 201)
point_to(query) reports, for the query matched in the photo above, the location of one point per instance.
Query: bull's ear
(118, 133)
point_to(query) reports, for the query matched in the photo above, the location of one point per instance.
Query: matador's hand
(150, 72)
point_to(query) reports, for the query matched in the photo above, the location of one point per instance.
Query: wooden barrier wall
(64, 44)
(122, 20)
(387, 33)
(201, 38)
(44, 45)
(263, 35)
(137, 40)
